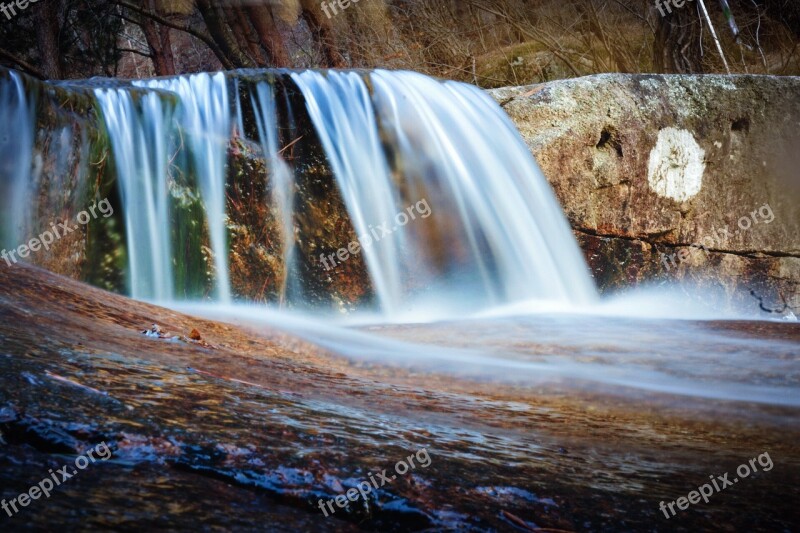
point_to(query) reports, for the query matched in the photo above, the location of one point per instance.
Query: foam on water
(682, 358)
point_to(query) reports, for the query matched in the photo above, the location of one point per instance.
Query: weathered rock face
(675, 177)
(68, 163)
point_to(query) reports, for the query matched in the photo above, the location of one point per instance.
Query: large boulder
(673, 177)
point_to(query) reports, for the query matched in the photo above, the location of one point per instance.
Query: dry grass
(495, 43)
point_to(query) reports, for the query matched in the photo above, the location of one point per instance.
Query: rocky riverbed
(219, 427)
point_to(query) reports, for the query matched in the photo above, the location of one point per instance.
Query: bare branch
(181, 27)
(27, 67)
(134, 51)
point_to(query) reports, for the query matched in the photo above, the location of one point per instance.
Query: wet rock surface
(650, 167)
(248, 430)
(73, 167)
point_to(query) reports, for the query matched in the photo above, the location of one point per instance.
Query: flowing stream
(441, 202)
(392, 140)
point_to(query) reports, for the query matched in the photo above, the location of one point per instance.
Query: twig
(74, 383)
(280, 152)
(758, 41)
(181, 27)
(134, 51)
(714, 35)
(30, 69)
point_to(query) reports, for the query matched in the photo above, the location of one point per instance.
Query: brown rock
(646, 165)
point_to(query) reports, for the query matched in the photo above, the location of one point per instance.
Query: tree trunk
(220, 30)
(676, 49)
(322, 32)
(159, 43)
(248, 37)
(48, 29)
(271, 40)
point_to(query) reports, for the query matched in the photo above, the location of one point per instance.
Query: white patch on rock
(676, 165)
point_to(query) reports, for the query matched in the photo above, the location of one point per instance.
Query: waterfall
(139, 138)
(386, 143)
(453, 137)
(280, 175)
(342, 111)
(451, 142)
(16, 152)
(204, 115)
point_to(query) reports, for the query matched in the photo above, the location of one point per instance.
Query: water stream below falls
(372, 200)
(310, 275)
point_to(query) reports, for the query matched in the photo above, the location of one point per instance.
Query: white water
(459, 151)
(394, 140)
(496, 187)
(16, 151)
(510, 259)
(139, 138)
(204, 115)
(340, 106)
(496, 242)
(280, 176)
(681, 358)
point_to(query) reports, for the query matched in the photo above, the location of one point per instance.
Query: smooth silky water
(478, 332)
(491, 285)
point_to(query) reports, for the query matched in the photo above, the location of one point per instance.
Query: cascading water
(454, 138)
(204, 115)
(281, 175)
(391, 140)
(453, 143)
(16, 151)
(341, 154)
(344, 116)
(139, 138)
(367, 146)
